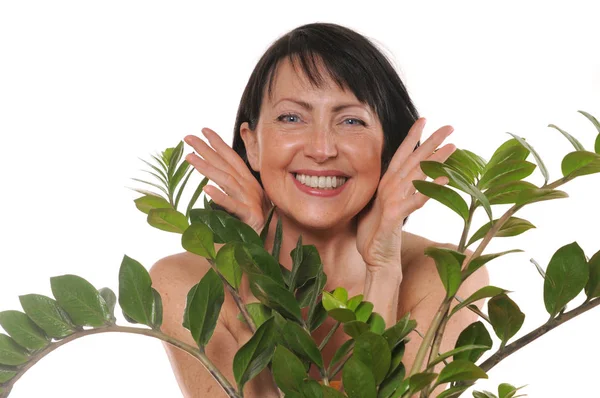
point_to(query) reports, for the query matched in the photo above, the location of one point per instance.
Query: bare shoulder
(421, 278)
(179, 270)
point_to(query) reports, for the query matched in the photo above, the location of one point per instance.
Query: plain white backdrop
(88, 87)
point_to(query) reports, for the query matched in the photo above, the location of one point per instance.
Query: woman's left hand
(379, 234)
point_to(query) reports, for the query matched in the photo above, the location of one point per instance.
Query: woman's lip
(325, 173)
(324, 193)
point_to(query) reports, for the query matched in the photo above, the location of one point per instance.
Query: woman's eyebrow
(336, 108)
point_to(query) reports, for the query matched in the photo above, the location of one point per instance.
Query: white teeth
(321, 182)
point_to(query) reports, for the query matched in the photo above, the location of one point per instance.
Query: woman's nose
(320, 145)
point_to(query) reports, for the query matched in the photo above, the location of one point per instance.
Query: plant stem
(534, 334)
(236, 297)
(331, 332)
(193, 351)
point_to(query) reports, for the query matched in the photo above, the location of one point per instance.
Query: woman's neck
(342, 263)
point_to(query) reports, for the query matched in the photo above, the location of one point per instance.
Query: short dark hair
(352, 61)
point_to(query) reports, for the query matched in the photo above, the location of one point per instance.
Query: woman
(327, 133)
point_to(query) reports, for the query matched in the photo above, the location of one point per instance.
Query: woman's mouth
(321, 186)
(321, 182)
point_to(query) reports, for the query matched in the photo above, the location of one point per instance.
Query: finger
(226, 181)
(226, 152)
(424, 151)
(227, 202)
(209, 154)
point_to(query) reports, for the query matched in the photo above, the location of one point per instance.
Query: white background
(87, 88)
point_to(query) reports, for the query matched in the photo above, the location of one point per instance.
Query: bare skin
(363, 249)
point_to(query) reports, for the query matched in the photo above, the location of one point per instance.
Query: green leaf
(341, 294)
(462, 348)
(597, 125)
(319, 316)
(419, 381)
(265, 229)
(342, 314)
(178, 176)
(484, 292)
(459, 370)
(474, 334)
(23, 330)
(373, 350)
(395, 334)
(512, 227)
(169, 220)
(258, 312)
(205, 306)
(453, 392)
(528, 196)
(376, 323)
(48, 315)
(436, 169)
(159, 171)
(397, 356)
(6, 373)
(157, 310)
(11, 353)
(330, 302)
(576, 144)
(391, 383)
(509, 171)
(255, 259)
(149, 202)
(153, 185)
(135, 291)
(302, 343)
(225, 227)
(172, 156)
(363, 311)
(569, 271)
(195, 196)
(506, 193)
(353, 302)
(355, 328)
(275, 296)
(537, 157)
(358, 380)
(448, 267)
(481, 260)
(470, 189)
(311, 389)
(227, 264)
(470, 164)
(296, 255)
(80, 300)
(444, 195)
(509, 150)
(288, 370)
(182, 187)
(314, 305)
(339, 354)
(161, 163)
(110, 298)
(580, 163)
(198, 239)
(505, 316)
(506, 390)
(254, 356)
(330, 392)
(309, 267)
(483, 394)
(592, 288)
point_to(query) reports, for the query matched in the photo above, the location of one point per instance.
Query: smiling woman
(327, 133)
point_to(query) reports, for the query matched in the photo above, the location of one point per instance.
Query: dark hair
(352, 61)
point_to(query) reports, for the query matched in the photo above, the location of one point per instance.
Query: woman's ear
(251, 144)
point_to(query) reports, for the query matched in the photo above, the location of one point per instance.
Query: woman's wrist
(382, 288)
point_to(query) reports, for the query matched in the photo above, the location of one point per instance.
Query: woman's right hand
(243, 195)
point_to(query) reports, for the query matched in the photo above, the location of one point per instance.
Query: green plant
(371, 361)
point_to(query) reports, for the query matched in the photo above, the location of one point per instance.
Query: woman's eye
(356, 121)
(285, 116)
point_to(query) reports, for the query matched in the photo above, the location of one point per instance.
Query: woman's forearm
(382, 289)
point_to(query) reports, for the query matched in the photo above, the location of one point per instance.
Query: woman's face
(307, 142)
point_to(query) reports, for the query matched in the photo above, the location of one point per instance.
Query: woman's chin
(320, 220)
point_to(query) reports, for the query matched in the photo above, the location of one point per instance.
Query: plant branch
(326, 339)
(193, 351)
